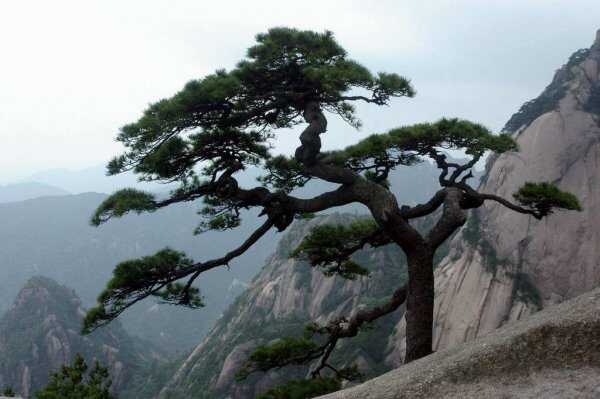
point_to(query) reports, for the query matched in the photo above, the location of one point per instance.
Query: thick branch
(347, 328)
(510, 205)
(351, 327)
(425, 209)
(202, 267)
(453, 216)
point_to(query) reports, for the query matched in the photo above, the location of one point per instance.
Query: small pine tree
(72, 382)
(8, 392)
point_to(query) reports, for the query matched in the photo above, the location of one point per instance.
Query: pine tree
(217, 126)
(73, 382)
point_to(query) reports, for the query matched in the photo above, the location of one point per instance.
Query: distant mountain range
(91, 179)
(24, 191)
(51, 236)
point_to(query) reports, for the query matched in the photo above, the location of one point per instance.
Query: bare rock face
(503, 265)
(552, 354)
(40, 333)
(280, 301)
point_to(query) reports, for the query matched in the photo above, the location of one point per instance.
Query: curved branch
(202, 267)
(351, 327)
(424, 209)
(452, 218)
(311, 142)
(347, 328)
(510, 205)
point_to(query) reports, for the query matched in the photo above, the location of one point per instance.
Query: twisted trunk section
(385, 210)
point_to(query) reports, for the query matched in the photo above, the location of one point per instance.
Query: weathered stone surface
(554, 353)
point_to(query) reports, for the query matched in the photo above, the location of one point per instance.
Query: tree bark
(419, 305)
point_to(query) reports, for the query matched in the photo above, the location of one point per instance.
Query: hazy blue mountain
(51, 236)
(92, 179)
(28, 190)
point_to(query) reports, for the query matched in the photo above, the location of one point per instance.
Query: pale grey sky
(73, 72)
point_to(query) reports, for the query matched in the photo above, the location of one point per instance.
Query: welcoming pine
(219, 125)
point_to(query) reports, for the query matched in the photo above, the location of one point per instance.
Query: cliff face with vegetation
(40, 333)
(280, 301)
(504, 266)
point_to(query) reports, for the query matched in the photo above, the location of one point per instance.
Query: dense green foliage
(544, 197)
(75, 382)
(134, 278)
(326, 247)
(303, 389)
(282, 72)
(284, 351)
(8, 392)
(121, 202)
(406, 145)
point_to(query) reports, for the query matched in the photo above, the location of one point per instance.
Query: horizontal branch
(510, 205)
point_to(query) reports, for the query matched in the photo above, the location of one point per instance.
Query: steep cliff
(40, 332)
(503, 266)
(280, 301)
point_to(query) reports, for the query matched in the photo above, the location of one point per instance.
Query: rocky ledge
(554, 353)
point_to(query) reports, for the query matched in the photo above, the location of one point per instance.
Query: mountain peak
(43, 282)
(40, 332)
(581, 68)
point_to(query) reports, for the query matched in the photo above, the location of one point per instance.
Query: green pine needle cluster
(122, 202)
(406, 145)
(134, 279)
(545, 197)
(75, 382)
(282, 352)
(225, 118)
(180, 294)
(325, 246)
